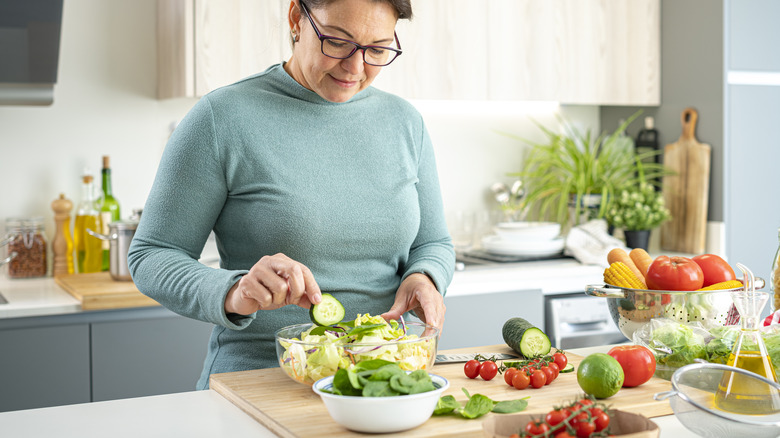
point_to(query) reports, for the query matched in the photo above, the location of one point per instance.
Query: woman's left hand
(418, 293)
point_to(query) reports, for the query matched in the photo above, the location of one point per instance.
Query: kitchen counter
(190, 414)
(42, 296)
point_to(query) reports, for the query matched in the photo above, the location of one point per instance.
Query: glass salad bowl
(632, 309)
(307, 352)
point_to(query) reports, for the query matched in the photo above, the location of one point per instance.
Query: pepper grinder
(62, 245)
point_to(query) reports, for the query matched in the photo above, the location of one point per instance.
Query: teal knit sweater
(348, 189)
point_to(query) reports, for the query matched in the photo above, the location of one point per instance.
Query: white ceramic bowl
(381, 414)
(527, 231)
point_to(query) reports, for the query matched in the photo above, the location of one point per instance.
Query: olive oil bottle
(738, 392)
(89, 249)
(109, 210)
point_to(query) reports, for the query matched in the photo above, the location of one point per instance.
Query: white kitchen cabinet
(205, 44)
(593, 52)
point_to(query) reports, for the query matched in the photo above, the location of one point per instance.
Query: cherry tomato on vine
(553, 418)
(536, 428)
(600, 419)
(488, 370)
(509, 374)
(521, 380)
(561, 360)
(583, 428)
(554, 366)
(549, 374)
(471, 369)
(538, 379)
(564, 434)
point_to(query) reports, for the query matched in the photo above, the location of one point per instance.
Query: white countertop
(35, 297)
(42, 296)
(188, 414)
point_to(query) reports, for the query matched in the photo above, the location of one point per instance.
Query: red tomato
(549, 374)
(521, 380)
(715, 269)
(471, 369)
(509, 374)
(554, 367)
(538, 379)
(488, 370)
(583, 428)
(638, 363)
(561, 360)
(553, 418)
(674, 273)
(600, 420)
(564, 434)
(536, 428)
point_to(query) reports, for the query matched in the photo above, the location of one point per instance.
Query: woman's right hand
(273, 282)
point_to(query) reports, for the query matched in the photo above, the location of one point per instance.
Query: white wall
(104, 103)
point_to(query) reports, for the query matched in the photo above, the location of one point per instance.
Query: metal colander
(695, 401)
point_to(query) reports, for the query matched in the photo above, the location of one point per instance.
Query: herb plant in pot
(574, 175)
(637, 210)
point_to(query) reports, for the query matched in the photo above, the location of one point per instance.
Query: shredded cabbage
(321, 355)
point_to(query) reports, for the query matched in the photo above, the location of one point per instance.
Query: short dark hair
(403, 8)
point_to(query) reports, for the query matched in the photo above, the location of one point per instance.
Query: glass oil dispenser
(737, 393)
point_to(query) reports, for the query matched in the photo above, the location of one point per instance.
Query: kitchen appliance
(575, 320)
(120, 234)
(686, 190)
(29, 48)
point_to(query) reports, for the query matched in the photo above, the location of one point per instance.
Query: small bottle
(774, 277)
(89, 249)
(647, 143)
(62, 243)
(109, 211)
(26, 248)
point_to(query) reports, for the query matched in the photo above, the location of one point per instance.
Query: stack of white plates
(530, 239)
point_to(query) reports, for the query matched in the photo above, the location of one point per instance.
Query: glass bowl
(307, 362)
(381, 414)
(633, 308)
(696, 399)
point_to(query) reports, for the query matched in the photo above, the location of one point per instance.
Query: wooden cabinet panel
(595, 52)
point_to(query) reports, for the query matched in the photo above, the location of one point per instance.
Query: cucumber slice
(328, 312)
(568, 368)
(527, 340)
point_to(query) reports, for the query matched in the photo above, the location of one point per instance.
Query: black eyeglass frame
(356, 46)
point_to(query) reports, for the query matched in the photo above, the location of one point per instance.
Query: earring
(294, 35)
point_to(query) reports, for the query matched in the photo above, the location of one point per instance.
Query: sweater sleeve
(186, 198)
(432, 252)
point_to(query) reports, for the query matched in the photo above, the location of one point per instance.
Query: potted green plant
(637, 209)
(574, 175)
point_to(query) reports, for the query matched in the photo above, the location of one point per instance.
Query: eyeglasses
(340, 48)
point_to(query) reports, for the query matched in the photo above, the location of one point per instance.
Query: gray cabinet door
(44, 366)
(135, 358)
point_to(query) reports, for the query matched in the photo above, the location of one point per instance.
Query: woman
(311, 181)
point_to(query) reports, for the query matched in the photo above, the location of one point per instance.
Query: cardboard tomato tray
(622, 424)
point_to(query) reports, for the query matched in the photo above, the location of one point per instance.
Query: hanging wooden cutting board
(686, 191)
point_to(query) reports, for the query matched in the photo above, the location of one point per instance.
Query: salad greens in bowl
(309, 352)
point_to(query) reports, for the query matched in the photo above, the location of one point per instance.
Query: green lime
(600, 375)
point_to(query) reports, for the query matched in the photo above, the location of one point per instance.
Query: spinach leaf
(386, 372)
(374, 364)
(364, 328)
(446, 405)
(477, 406)
(379, 389)
(510, 406)
(342, 384)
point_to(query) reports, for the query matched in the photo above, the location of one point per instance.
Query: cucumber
(328, 312)
(527, 340)
(568, 368)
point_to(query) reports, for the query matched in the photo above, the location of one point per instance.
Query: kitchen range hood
(29, 50)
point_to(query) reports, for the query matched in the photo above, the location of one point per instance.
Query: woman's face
(365, 22)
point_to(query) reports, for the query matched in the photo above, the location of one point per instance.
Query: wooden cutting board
(686, 192)
(98, 291)
(291, 410)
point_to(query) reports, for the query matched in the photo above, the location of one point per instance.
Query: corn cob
(618, 274)
(731, 284)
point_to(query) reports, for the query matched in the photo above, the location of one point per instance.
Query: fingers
(273, 282)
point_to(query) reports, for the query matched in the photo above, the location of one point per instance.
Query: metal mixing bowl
(697, 394)
(633, 308)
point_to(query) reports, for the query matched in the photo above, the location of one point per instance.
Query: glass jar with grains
(26, 247)
(774, 277)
